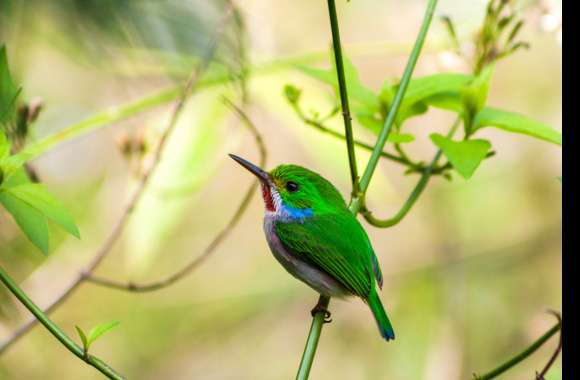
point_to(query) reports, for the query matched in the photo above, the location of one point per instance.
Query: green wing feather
(337, 244)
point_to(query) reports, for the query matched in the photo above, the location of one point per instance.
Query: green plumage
(312, 233)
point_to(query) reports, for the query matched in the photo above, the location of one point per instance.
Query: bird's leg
(321, 306)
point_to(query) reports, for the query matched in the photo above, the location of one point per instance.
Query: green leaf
(424, 87)
(99, 330)
(37, 197)
(292, 93)
(363, 99)
(431, 90)
(401, 138)
(465, 156)
(4, 146)
(11, 164)
(31, 221)
(83, 338)
(517, 123)
(8, 90)
(373, 124)
(474, 96)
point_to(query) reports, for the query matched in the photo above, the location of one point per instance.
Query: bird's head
(295, 190)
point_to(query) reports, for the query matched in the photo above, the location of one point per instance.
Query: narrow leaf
(8, 90)
(11, 164)
(517, 123)
(99, 330)
(465, 156)
(83, 338)
(37, 197)
(4, 147)
(31, 221)
(424, 87)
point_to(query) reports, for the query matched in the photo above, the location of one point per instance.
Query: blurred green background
(469, 273)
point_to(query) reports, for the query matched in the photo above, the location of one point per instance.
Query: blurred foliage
(468, 274)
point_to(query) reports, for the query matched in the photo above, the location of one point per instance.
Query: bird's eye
(291, 186)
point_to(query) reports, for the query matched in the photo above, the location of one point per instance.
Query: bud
(292, 93)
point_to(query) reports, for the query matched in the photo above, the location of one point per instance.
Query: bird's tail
(383, 322)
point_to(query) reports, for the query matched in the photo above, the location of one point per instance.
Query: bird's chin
(268, 197)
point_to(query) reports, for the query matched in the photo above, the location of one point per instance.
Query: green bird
(316, 238)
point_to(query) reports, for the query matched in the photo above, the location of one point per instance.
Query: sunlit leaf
(4, 146)
(517, 123)
(432, 90)
(37, 197)
(83, 337)
(362, 98)
(8, 90)
(31, 221)
(97, 331)
(474, 96)
(465, 156)
(422, 88)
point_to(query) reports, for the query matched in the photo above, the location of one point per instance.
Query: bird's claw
(321, 309)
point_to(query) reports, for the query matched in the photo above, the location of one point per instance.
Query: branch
(415, 193)
(55, 330)
(137, 195)
(188, 268)
(413, 166)
(404, 83)
(522, 355)
(337, 49)
(360, 189)
(540, 376)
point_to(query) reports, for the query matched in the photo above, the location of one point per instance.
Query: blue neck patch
(293, 214)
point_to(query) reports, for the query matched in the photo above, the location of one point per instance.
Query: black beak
(262, 175)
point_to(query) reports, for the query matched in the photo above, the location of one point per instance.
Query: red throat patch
(267, 195)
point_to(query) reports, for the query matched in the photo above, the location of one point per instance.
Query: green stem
(391, 116)
(312, 342)
(55, 330)
(356, 200)
(417, 190)
(337, 49)
(521, 356)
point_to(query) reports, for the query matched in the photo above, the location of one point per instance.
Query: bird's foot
(321, 309)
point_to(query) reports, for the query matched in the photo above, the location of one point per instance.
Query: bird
(315, 237)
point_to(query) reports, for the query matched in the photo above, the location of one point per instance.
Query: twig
(417, 190)
(184, 271)
(521, 356)
(137, 195)
(337, 49)
(540, 376)
(398, 99)
(413, 166)
(55, 330)
(359, 190)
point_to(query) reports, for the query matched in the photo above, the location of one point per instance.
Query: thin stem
(217, 240)
(540, 376)
(417, 190)
(398, 99)
(337, 49)
(356, 199)
(413, 166)
(55, 330)
(521, 356)
(120, 225)
(312, 342)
